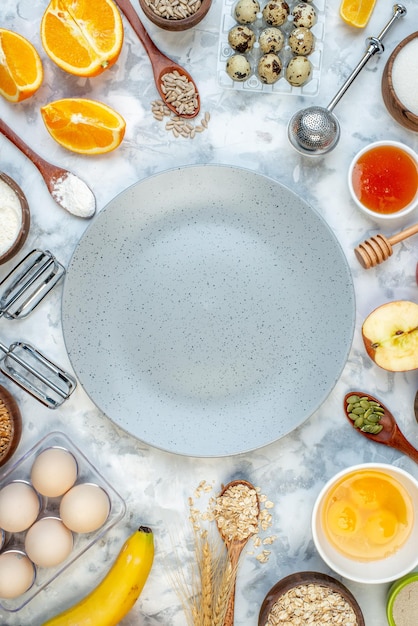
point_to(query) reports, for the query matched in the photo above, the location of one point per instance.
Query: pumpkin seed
(365, 413)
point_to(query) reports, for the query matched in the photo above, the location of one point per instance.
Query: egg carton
(253, 83)
(87, 472)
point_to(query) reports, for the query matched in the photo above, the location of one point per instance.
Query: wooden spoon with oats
(237, 512)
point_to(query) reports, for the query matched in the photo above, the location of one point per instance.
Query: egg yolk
(367, 515)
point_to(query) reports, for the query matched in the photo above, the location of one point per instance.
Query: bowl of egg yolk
(365, 523)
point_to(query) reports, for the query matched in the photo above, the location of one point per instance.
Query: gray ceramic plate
(208, 310)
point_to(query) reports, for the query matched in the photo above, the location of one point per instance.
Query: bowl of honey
(365, 523)
(383, 180)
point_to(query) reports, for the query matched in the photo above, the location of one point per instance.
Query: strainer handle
(375, 46)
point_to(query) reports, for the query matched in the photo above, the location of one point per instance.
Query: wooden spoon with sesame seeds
(239, 522)
(161, 64)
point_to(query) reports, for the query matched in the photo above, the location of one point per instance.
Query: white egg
(54, 472)
(17, 574)
(85, 508)
(19, 506)
(48, 542)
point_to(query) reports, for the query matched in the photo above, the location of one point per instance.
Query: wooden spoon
(161, 64)
(234, 547)
(54, 178)
(377, 249)
(390, 435)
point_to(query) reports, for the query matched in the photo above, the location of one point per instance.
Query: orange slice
(84, 126)
(83, 37)
(356, 12)
(21, 70)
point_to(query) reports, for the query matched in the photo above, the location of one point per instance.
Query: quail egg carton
(253, 83)
(87, 472)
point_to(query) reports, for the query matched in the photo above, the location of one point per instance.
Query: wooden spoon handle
(43, 166)
(158, 59)
(234, 555)
(402, 444)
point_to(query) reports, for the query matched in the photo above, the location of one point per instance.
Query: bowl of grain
(399, 86)
(14, 218)
(364, 524)
(10, 425)
(321, 598)
(174, 15)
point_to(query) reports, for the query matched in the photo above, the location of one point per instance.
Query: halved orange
(84, 126)
(21, 71)
(356, 12)
(83, 37)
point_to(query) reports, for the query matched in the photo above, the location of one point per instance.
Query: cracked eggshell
(238, 67)
(276, 12)
(271, 39)
(302, 41)
(269, 68)
(298, 71)
(241, 38)
(246, 11)
(304, 15)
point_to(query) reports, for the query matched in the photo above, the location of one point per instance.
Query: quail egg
(238, 67)
(269, 68)
(271, 39)
(304, 15)
(241, 38)
(302, 41)
(246, 11)
(298, 71)
(276, 12)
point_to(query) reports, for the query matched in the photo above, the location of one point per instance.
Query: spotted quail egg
(276, 12)
(269, 68)
(304, 15)
(298, 71)
(246, 11)
(271, 39)
(238, 67)
(302, 41)
(241, 38)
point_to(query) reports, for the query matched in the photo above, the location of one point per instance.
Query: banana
(115, 595)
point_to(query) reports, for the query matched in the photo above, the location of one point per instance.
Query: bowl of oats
(321, 598)
(174, 15)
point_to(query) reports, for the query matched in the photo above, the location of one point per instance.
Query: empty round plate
(208, 310)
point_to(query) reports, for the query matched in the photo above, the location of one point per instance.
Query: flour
(74, 195)
(10, 217)
(405, 605)
(404, 72)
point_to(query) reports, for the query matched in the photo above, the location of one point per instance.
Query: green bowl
(394, 589)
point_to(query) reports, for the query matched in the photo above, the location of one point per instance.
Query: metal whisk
(316, 130)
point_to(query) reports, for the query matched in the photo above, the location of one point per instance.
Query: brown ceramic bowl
(306, 578)
(24, 229)
(175, 24)
(396, 108)
(10, 421)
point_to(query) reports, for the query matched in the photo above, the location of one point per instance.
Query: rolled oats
(313, 604)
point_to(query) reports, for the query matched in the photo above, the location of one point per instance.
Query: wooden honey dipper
(377, 249)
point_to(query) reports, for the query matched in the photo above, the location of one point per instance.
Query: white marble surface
(246, 130)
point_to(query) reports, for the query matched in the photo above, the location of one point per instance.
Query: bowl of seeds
(10, 425)
(175, 15)
(317, 597)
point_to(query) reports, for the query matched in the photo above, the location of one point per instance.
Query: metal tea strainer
(316, 130)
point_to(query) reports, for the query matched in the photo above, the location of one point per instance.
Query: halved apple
(390, 335)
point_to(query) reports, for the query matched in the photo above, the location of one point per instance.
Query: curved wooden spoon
(161, 64)
(234, 547)
(54, 177)
(390, 435)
